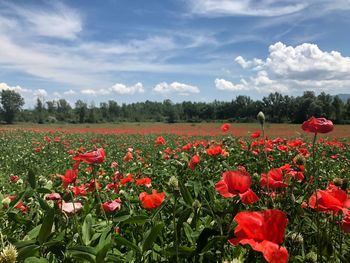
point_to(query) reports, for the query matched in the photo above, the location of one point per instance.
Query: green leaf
(185, 194)
(31, 178)
(114, 259)
(183, 252)
(121, 218)
(83, 252)
(35, 260)
(87, 230)
(27, 251)
(124, 242)
(103, 245)
(151, 236)
(43, 204)
(33, 234)
(46, 226)
(139, 219)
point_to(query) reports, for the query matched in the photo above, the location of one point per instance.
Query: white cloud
(56, 21)
(290, 69)
(127, 90)
(19, 89)
(69, 92)
(222, 84)
(40, 93)
(175, 87)
(268, 8)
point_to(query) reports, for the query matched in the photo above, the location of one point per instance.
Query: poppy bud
(174, 183)
(261, 118)
(196, 205)
(300, 159)
(9, 254)
(296, 238)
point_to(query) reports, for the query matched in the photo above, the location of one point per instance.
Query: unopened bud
(261, 117)
(300, 159)
(174, 183)
(8, 254)
(196, 204)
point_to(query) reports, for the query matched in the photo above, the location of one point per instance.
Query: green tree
(81, 110)
(39, 111)
(11, 102)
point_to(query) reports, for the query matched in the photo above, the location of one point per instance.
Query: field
(195, 129)
(174, 193)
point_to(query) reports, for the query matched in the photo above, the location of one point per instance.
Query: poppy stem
(98, 193)
(175, 229)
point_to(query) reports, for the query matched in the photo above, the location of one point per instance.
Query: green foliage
(194, 222)
(11, 102)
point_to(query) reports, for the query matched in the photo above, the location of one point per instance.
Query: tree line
(278, 108)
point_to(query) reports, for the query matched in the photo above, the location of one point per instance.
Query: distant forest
(278, 108)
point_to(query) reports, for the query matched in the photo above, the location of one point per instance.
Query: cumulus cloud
(127, 90)
(175, 87)
(19, 89)
(289, 69)
(40, 93)
(222, 84)
(69, 92)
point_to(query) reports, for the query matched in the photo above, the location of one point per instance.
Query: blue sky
(197, 50)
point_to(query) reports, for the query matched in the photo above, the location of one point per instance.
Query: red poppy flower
(112, 206)
(215, 150)
(20, 204)
(14, 178)
(187, 147)
(264, 232)
(146, 181)
(79, 190)
(194, 161)
(235, 183)
(93, 157)
(274, 179)
(160, 140)
(69, 178)
(255, 135)
(127, 157)
(225, 127)
(153, 200)
(127, 179)
(329, 200)
(53, 196)
(317, 125)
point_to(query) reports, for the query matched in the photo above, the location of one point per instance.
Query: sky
(182, 50)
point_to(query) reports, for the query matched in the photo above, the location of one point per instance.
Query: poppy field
(122, 197)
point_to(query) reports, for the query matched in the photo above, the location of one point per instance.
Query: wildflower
(160, 140)
(93, 157)
(225, 127)
(70, 208)
(194, 161)
(146, 181)
(264, 232)
(317, 125)
(235, 183)
(153, 200)
(112, 206)
(274, 179)
(255, 135)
